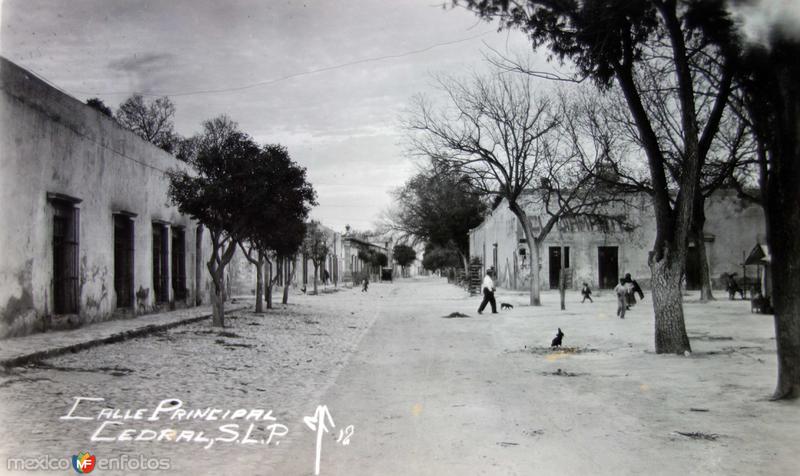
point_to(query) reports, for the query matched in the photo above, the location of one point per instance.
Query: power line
(290, 76)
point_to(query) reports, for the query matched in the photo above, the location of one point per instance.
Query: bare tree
(151, 121)
(606, 41)
(505, 139)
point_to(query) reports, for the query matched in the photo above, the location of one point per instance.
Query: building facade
(87, 234)
(600, 255)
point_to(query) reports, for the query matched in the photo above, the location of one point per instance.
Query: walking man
(488, 293)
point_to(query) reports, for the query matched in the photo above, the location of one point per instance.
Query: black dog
(505, 305)
(557, 341)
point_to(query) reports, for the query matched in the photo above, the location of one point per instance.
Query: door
(123, 260)
(693, 268)
(555, 263)
(607, 266)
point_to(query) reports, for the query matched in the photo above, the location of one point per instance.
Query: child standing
(622, 294)
(587, 293)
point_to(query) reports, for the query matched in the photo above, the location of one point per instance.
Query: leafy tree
(437, 258)
(381, 260)
(373, 258)
(606, 40)
(438, 206)
(211, 194)
(280, 199)
(404, 255)
(151, 121)
(97, 103)
(316, 247)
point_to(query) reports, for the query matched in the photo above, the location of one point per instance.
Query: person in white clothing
(488, 293)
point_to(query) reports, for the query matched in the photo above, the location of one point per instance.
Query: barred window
(66, 230)
(178, 263)
(161, 262)
(123, 259)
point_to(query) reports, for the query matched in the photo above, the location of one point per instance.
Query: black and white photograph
(400, 237)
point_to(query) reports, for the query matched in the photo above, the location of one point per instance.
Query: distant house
(85, 230)
(601, 252)
(351, 245)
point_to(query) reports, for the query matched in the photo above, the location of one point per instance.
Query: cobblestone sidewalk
(21, 350)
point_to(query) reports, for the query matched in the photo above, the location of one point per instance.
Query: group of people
(626, 292)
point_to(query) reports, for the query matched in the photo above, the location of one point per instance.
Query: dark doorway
(555, 263)
(178, 264)
(608, 266)
(160, 262)
(65, 258)
(123, 260)
(693, 278)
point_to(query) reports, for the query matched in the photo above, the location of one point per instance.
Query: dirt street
(426, 394)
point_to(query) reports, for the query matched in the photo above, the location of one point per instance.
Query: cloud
(141, 62)
(760, 19)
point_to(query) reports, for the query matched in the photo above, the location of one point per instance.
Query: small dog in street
(557, 341)
(505, 305)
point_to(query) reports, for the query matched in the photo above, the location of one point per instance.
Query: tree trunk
(260, 283)
(216, 267)
(705, 274)
(698, 223)
(672, 226)
(533, 247)
(465, 262)
(289, 279)
(269, 283)
(316, 274)
(218, 307)
(670, 329)
(783, 218)
(562, 282)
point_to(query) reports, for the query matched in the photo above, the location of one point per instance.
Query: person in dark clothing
(326, 276)
(587, 293)
(635, 289)
(366, 285)
(488, 293)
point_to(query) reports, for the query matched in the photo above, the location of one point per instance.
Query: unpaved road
(435, 396)
(482, 395)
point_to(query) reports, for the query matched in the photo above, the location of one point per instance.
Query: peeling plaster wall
(51, 142)
(735, 226)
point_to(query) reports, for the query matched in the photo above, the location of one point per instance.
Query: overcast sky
(306, 74)
(328, 79)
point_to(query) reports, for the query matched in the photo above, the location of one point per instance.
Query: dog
(505, 305)
(557, 341)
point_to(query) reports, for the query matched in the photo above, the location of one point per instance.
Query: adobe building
(600, 255)
(351, 245)
(86, 233)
